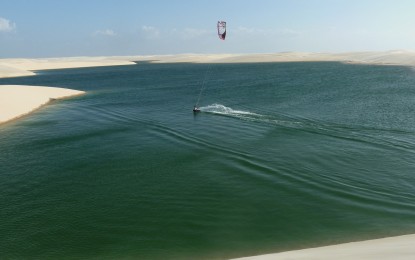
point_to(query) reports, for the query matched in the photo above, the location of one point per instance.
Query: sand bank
(396, 248)
(18, 100)
(25, 67)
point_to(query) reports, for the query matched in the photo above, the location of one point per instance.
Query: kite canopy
(222, 30)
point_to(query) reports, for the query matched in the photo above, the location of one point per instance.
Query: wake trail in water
(386, 137)
(279, 120)
(223, 110)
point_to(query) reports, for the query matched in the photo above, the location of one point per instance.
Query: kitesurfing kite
(222, 30)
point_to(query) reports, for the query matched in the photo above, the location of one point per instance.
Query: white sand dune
(19, 100)
(25, 67)
(397, 57)
(7, 72)
(392, 248)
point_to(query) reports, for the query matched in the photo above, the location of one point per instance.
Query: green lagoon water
(283, 156)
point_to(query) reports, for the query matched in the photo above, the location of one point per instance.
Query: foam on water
(223, 110)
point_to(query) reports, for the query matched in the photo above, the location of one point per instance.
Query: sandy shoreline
(19, 100)
(396, 248)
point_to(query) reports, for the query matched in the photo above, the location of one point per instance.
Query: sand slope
(392, 248)
(18, 100)
(7, 72)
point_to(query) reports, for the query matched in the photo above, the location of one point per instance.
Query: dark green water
(283, 156)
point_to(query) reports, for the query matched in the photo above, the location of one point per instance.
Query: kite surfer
(221, 26)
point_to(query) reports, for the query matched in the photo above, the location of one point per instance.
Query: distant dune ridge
(25, 67)
(397, 57)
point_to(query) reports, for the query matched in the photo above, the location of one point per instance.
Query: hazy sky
(47, 28)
